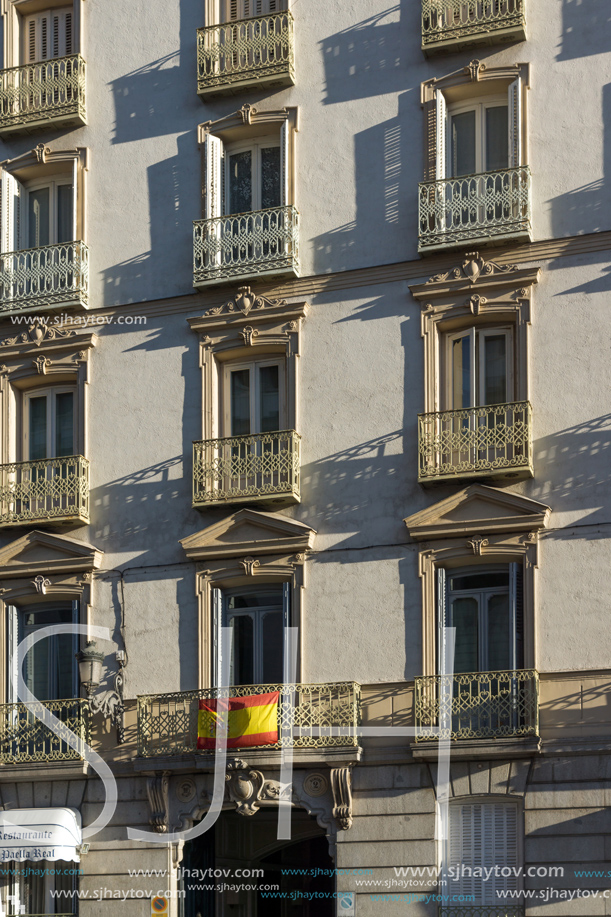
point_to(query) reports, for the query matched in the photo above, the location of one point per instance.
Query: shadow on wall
(385, 196)
(588, 208)
(586, 28)
(173, 205)
(367, 59)
(585, 449)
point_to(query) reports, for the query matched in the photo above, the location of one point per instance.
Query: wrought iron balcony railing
(251, 51)
(489, 441)
(309, 716)
(24, 739)
(469, 22)
(36, 278)
(52, 91)
(244, 245)
(484, 207)
(259, 467)
(481, 910)
(48, 490)
(477, 705)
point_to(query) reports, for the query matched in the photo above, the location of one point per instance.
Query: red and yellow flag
(251, 720)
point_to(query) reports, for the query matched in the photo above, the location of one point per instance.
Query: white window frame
(480, 108)
(49, 393)
(477, 362)
(255, 148)
(52, 183)
(255, 403)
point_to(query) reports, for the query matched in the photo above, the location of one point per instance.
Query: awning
(40, 834)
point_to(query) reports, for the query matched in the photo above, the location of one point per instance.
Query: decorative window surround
(41, 567)
(477, 525)
(246, 548)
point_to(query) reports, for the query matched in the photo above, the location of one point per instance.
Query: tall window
(47, 35)
(253, 177)
(257, 618)
(479, 138)
(49, 429)
(50, 670)
(482, 835)
(478, 367)
(50, 213)
(254, 398)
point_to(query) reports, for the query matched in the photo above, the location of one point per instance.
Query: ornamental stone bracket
(341, 785)
(248, 789)
(157, 789)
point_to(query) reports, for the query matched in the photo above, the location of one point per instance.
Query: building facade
(303, 344)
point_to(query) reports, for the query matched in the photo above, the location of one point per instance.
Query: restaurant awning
(40, 834)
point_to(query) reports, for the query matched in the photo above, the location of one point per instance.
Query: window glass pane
(271, 637)
(497, 138)
(463, 143)
(38, 218)
(485, 580)
(240, 402)
(461, 373)
(270, 177)
(263, 599)
(499, 656)
(64, 424)
(240, 182)
(38, 428)
(269, 394)
(464, 619)
(242, 659)
(49, 667)
(495, 368)
(65, 218)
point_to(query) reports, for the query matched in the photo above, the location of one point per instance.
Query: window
(257, 617)
(482, 835)
(478, 367)
(48, 34)
(50, 670)
(28, 892)
(37, 214)
(49, 430)
(253, 176)
(479, 137)
(247, 9)
(254, 398)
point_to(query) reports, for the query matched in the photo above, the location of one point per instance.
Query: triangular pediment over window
(250, 532)
(478, 508)
(43, 552)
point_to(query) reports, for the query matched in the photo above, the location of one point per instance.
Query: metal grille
(484, 206)
(245, 244)
(446, 20)
(36, 278)
(47, 90)
(253, 467)
(479, 705)
(25, 740)
(250, 49)
(55, 489)
(475, 441)
(481, 910)
(321, 716)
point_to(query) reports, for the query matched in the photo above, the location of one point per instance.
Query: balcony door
(247, 9)
(49, 428)
(50, 670)
(257, 618)
(49, 487)
(253, 177)
(479, 138)
(479, 368)
(50, 213)
(47, 35)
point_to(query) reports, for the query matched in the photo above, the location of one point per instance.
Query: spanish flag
(251, 720)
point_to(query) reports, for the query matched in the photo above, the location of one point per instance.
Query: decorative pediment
(43, 552)
(237, 316)
(43, 348)
(476, 276)
(249, 532)
(478, 510)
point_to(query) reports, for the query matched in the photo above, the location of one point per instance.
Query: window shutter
(286, 622)
(515, 123)
(284, 164)
(75, 644)
(12, 641)
(12, 200)
(441, 118)
(75, 227)
(443, 618)
(483, 835)
(516, 612)
(213, 171)
(31, 30)
(217, 619)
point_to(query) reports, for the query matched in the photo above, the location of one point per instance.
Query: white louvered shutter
(216, 624)
(12, 640)
(48, 35)
(286, 622)
(12, 202)
(482, 836)
(516, 613)
(75, 233)
(213, 169)
(443, 619)
(441, 119)
(284, 164)
(515, 123)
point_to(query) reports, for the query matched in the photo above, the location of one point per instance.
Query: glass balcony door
(256, 621)
(50, 214)
(49, 433)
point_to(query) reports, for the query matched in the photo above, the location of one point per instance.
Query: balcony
(477, 705)
(451, 25)
(481, 910)
(492, 442)
(25, 740)
(51, 93)
(490, 207)
(247, 53)
(43, 278)
(321, 716)
(54, 490)
(262, 467)
(246, 245)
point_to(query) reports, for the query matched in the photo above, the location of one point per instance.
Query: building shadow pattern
(586, 28)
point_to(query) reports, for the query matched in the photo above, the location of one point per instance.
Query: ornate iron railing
(246, 244)
(481, 910)
(256, 467)
(36, 278)
(478, 705)
(482, 441)
(490, 205)
(309, 716)
(46, 91)
(258, 50)
(25, 740)
(460, 20)
(54, 490)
